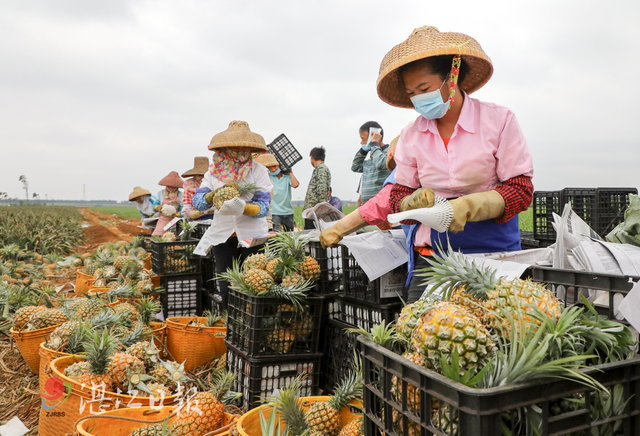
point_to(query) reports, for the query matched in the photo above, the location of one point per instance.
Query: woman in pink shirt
(470, 152)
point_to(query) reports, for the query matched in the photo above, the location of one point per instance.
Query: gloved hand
(208, 197)
(195, 214)
(251, 209)
(157, 208)
(476, 207)
(331, 236)
(234, 207)
(422, 197)
(168, 210)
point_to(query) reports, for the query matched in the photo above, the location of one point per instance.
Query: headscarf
(146, 207)
(171, 194)
(192, 184)
(231, 166)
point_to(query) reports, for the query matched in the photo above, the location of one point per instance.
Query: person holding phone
(371, 160)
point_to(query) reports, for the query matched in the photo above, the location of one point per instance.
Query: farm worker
(145, 202)
(239, 218)
(319, 185)
(200, 168)
(334, 201)
(470, 152)
(373, 212)
(169, 207)
(283, 181)
(370, 160)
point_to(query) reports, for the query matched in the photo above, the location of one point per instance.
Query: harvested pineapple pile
(484, 332)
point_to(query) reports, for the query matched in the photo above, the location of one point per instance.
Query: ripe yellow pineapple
(310, 269)
(230, 191)
(22, 315)
(120, 262)
(46, 318)
(271, 267)
(413, 394)
(354, 428)
(255, 261)
(324, 418)
(292, 279)
(409, 317)
(259, 280)
(120, 365)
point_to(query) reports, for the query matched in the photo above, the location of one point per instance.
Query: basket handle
(188, 322)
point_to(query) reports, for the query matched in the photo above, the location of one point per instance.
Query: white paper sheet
(630, 306)
(378, 252)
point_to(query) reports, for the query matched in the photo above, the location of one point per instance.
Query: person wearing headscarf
(145, 202)
(462, 149)
(240, 218)
(171, 202)
(200, 168)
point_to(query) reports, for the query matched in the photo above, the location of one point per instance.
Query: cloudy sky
(114, 93)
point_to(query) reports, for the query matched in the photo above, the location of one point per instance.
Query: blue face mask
(430, 104)
(276, 172)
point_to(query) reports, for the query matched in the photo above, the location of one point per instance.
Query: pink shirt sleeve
(513, 156)
(375, 210)
(406, 163)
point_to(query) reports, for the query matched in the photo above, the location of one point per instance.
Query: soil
(107, 228)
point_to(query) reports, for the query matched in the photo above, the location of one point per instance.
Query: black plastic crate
(338, 351)
(208, 264)
(612, 204)
(584, 203)
(259, 377)
(386, 289)
(182, 296)
(198, 231)
(527, 241)
(367, 315)
(423, 409)
(284, 152)
(267, 326)
(544, 204)
(170, 258)
(330, 261)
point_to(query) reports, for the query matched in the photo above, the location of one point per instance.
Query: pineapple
(120, 262)
(99, 349)
(292, 279)
(22, 315)
(46, 318)
(169, 237)
(409, 317)
(146, 351)
(281, 341)
(170, 374)
(158, 390)
(75, 370)
(446, 326)
(60, 336)
(120, 366)
(310, 269)
(413, 394)
(127, 311)
(88, 307)
(259, 280)
(271, 267)
(354, 428)
(255, 261)
(324, 418)
(230, 191)
(205, 411)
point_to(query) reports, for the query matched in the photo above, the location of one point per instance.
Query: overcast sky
(113, 94)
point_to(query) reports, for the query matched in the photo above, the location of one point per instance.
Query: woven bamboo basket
(46, 357)
(29, 345)
(112, 423)
(195, 345)
(159, 335)
(83, 283)
(95, 290)
(249, 423)
(83, 402)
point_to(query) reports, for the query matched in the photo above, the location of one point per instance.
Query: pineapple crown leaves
(76, 340)
(296, 294)
(382, 334)
(148, 307)
(212, 319)
(456, 372)
(98, 350)
(235, 278)
(451, 270)
(272, 425)
(177, 371)
(288, 405)
(136, 335)
(347, 390)
(221, 383)
(188, 228)
(291, 243)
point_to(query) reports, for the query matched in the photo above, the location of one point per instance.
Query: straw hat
(426, 42)
(268, 160)
(171, 180)
(391, 163)
(238, 135)
(200, 167)
(138, 192)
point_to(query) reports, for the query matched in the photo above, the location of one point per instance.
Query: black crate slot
(260, 377)
(170, 258)
(386, 289)
(400, 395)
(612, 204)
(338, 350)
(367, 315)
(182, 296)
(208, 264)
(265, 326)
(284, 152)
(330, 261)
(545, 203)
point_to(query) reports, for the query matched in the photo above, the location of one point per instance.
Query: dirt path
(107, 228)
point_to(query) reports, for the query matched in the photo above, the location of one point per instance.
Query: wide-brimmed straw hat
(391, 163)
(138, 192)
(171, 180)
(200, 167)
(426, 42)
(268, 160)
(238, 135)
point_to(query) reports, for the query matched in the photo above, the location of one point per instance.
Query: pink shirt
(376, 209)
(486, 148)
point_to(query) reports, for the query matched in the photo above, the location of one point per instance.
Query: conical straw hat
(426, 42)
(138, 192)
(391, 163)
(238, 135)
(200, 167)
(268, 160)
(171, 180)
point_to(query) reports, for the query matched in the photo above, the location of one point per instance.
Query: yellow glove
(208, 197)
(157, 208)
(422, 197)
(481, 206)
(331, 236)
(176, 215)
(251, 209)
(195, 214)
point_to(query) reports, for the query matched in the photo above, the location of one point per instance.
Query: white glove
(234, 207)
(168, 210)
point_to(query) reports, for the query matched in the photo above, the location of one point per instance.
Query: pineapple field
(105, 331)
